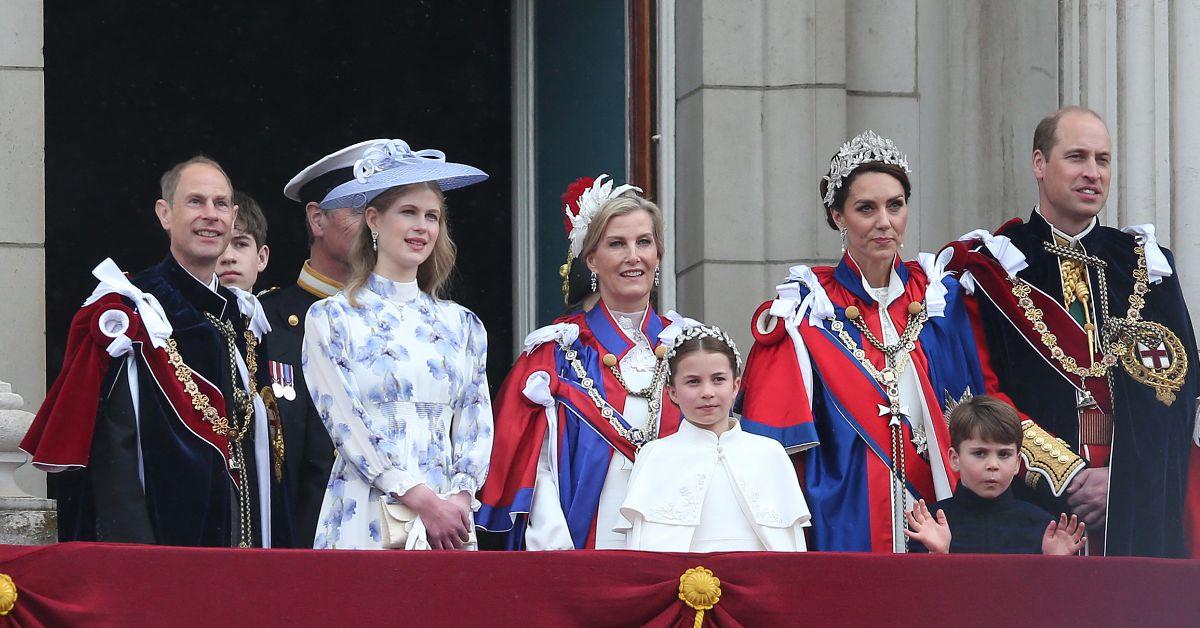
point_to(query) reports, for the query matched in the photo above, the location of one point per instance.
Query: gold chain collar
(1022, 290)
(243, 402)
(636, 436)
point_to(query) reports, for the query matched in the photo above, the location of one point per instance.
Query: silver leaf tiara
(865, 148)
(703, 331)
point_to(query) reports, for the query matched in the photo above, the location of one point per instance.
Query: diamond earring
(595, 284)
(842, 232)
(657, 276)
(375, 241)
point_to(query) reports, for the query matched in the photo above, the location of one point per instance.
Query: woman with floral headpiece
(852, 364)
(587, 392)
(396, 372)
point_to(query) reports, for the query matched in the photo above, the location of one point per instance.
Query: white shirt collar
(1073, 240)
(211, 284)
(696, 432)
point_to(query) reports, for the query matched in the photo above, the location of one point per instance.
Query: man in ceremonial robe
(308, 449)
(1088, 336)
(154, 428)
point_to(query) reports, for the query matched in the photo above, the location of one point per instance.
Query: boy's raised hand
(1064, 537)
(933, 533)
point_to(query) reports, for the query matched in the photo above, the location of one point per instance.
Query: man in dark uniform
(1089, 336)
(153, 427)
(308, 449)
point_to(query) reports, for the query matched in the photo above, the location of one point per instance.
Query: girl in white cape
(711, 487)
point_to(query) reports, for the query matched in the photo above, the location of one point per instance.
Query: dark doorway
(267, 88)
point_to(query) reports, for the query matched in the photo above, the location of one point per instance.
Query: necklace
(656, 383)
(897, 356)
(637, 436)
(243, 403)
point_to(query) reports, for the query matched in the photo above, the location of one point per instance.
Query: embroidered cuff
(1048, 457)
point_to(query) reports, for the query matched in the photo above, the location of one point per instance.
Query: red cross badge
(1156, 358)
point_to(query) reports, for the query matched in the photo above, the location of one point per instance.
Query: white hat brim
(343, 158)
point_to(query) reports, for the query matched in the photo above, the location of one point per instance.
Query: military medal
(276, 378)
(289, 382)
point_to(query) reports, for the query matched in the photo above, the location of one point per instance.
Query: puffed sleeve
(328, 370)
(776, 384)
(472, 428)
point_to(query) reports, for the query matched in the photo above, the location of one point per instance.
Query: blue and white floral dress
(401, 384)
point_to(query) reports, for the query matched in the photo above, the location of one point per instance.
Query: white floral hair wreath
(703, 331)
(590, 203)
(865, 148)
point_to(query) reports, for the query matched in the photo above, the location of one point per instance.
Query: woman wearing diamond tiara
(587, 392)
(396, 372)
(851, 365)
(711, 487)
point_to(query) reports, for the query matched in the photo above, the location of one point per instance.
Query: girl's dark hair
(706, 344)
(839, 197)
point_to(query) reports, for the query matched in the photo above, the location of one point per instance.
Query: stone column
(1185, 147)
(1132, 63)
(22, 199)
(767, 90)
(760, 99)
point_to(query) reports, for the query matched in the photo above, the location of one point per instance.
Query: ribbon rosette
(388, 155)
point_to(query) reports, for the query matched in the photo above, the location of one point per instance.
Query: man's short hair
(250, 218)
(170, 178)
(1045, 136)
(985, 418)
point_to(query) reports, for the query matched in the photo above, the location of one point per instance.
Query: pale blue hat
(388, 163)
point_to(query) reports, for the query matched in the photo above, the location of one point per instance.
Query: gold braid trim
(1048, 457)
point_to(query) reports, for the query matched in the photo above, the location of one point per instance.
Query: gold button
(915, 307)
(610, 359)
(1053, 453)
(293, 320)
(1046, 447)
(851, 312)
(660, 351)
(1039, 440)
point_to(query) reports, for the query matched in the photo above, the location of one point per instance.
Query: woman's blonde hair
(432, 274)
(580, 294)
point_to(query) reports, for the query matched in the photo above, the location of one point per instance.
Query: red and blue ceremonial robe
(803, 387)
(585, 440)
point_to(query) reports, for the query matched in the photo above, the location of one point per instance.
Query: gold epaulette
(1048, 457)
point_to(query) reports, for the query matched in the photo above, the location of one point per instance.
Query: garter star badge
(1156, 358)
